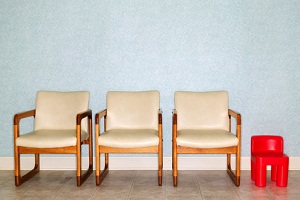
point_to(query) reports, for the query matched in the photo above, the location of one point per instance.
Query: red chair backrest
(266, 144)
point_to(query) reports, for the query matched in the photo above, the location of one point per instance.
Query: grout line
(201, 195)
(65, 185)
(65, 181)
(233, 186)
(131, 185)
(272, 193)
(97, 188)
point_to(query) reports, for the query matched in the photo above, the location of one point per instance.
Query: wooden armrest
(174, 111)
(174, 124)
(160, 116)
(235, 115)
(174, 117)
(99, 115)
(19, 116)
(160, 111)
(160, 124)
(82, 115)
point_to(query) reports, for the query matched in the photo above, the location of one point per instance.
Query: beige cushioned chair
(132, 124)
(202, 125)
(62, 123)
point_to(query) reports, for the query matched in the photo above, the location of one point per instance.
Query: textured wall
(249, 48)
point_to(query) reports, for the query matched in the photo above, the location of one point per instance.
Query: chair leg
(238, 169)
(273, 172)
(282, 176)
(234, 176)
(175, 170)
(261, 172)
(21, 179)
(101, 175)
(252, 170)
(81, 178)
(160, 177)
(160, 167)
(172, 154)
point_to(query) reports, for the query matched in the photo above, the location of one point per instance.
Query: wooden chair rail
(104, 149)
(189, 150)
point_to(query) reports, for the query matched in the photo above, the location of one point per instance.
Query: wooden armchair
(202, 125)
(62, 124)
(132, 124)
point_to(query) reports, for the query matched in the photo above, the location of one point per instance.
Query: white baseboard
(136, 163)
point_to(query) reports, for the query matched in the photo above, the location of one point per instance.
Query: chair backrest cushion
(202, 110)
(132, 110)
(58, 110)
(266, 144)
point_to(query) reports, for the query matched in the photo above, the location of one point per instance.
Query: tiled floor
(139, 185)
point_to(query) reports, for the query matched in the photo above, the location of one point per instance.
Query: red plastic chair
(268, 150)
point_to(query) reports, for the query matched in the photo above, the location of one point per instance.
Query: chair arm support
(174, 124)
(79, 117)
(235, 115)
(99, 115)
(17, 119)
(238, 118)
(22, 115)
(174, 117)
(160, 124)
(160, 116)
(82, 115)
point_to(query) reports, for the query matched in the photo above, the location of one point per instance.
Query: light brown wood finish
(100, 174)
(63, 150)
(228, 150)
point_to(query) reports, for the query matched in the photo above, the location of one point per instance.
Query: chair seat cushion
(50, 138)
(129, 138)
(206, 138)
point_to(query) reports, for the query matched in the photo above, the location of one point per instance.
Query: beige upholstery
(129, 138)
(202, 120)
(213, 138)
(132, 124)
(55, 120)
(202, 125)
(50, 138)
(202, 110)
(131, 119)
(58, 110)
(132, 110)
(62, 124)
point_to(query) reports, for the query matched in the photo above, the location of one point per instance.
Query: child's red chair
(268, 150)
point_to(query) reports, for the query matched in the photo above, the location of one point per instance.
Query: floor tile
(112, 192)
(147, 191)
(143, 185)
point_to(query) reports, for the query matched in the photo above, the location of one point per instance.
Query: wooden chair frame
(62, 150)
(100, 175)
(176, 149)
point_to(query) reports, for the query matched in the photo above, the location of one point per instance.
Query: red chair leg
(282, 176)
(274, 172)
(253, 170)
(260, 175)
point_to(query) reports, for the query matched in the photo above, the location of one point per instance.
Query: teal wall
(249, 48)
